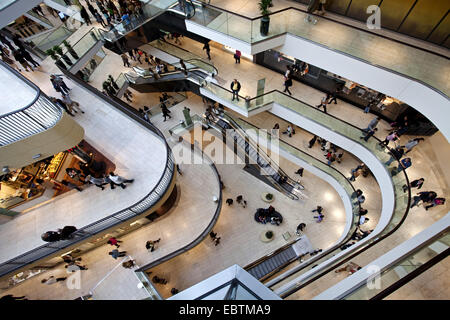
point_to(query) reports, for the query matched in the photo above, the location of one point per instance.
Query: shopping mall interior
(224, 150)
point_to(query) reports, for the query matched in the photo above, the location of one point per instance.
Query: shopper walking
(412, 143)
(9, 61)
(436, 202)
(99, 18)
(114, 242)
(237, 57)
(333, 96)
(323, 104)
(287, 84)
(390, 137)
(116, 254)
(351, 268)
(404, 164)
(369, 134)
(116, 180)
(73, 106)
(235, 88)
(126, 62)
(150, 244)
(372, 124)
(165, 111)
(425, 196)
(418, 183)
(396, 154)
(71, 185)
(208, 50)
(99, 182)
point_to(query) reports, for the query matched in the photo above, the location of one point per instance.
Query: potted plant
(71, 50)
(269, 234)
(54, 56)
(63, 56)
(265, 20)
(269, 196)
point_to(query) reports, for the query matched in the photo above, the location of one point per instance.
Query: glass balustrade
(401, 269)
(149, 11)
(402, 58)
(6, 3)
(341, 127)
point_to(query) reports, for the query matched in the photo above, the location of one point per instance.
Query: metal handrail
(205, 232)
(26, 121)
(119, 217)
(338, 51)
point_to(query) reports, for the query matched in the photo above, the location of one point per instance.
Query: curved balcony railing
(355, 44)
(329, 170)
(205, 232)
(400, 272)
(39, 115)
(402, 199)
(155, 195)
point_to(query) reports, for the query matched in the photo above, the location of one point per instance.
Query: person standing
(85, 15)
(116, 254)
(59, 83)
(300, 171)
(9, 61)
(99, 18)
(208, 50)
(126, 62)
(116, 180)
(183, 66)
(29, 58)
(21, 59)
(235, 87)
(237, 57)
(312, 142)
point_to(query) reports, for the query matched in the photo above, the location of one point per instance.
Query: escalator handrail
(260, 153)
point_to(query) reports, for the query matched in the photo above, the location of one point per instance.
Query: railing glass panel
(401, 269)
(5, 3)
(364, 45)
(343, 128)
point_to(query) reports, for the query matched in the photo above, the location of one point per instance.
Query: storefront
(354, 93)
(25, 188)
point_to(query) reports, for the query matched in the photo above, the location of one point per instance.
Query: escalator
(272, 172)
(174, 80)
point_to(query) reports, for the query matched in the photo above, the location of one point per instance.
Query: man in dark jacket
(235, 87)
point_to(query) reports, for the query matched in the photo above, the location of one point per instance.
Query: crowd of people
(13, 54)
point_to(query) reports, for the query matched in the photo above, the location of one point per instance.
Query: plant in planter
(269, 196)
(54, 56)
(63, 56)
(71, 50)
(269, 234)
(265, 20)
